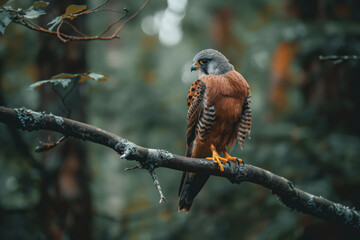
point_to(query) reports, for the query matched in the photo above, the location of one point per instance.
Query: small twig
(75, 29)
(58, 31)
(47, 146)
(81, 36)
(109, 27)
(92, 10)
(33, 26)
(339, 59)
(107, 10)
(157, 185)
(154, 177)
(63, 98)
(134, 15)
(133, 168)
(75, 82)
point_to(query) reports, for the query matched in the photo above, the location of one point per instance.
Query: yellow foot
(217, 158)
(230, 158)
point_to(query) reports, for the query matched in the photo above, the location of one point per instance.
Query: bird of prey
(218, 114)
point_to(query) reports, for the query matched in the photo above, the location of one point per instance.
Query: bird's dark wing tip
(184, 206)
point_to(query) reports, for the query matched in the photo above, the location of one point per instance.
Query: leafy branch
(55, 27)
(151, 159)
(64, 80)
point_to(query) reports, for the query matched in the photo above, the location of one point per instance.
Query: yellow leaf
(40, 4)
(64, 75)
(84, 78)
(72, 9)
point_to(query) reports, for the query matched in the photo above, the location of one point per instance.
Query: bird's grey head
(211, 62)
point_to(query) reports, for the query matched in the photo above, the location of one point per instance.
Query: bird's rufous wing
(195, 109)
(194, 100)
(192, 183)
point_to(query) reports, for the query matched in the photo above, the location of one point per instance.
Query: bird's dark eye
(203, 61)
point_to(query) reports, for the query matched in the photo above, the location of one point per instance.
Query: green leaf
(40, 4)
(64, 82)
(5, 19)
(98, 76)
(53, 23)
(32, 13)
(72, 9)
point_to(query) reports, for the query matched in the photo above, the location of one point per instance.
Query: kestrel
(218, 114)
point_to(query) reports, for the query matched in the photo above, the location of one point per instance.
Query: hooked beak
(195, 66)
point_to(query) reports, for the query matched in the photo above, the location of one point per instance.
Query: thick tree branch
(150, 159)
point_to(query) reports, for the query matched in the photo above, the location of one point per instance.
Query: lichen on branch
(151, 159)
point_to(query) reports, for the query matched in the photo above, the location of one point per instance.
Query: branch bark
(150, 159)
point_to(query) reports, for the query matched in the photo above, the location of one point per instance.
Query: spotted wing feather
(192, 92)
(195, 109)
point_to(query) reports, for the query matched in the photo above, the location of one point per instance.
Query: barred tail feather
(245, 122)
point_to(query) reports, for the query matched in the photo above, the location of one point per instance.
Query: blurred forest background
(306, 116)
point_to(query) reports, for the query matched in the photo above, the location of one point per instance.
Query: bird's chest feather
(227, 96)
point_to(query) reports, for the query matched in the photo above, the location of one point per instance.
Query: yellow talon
(230, 158)
(218, 159)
